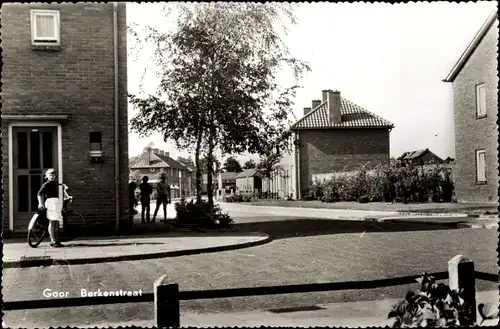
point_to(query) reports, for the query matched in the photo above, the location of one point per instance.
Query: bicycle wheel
(74, 220)
(36, 232)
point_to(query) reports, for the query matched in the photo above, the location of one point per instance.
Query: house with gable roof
(422, 157)
(152, 161)
(334, 135)
(475, 105)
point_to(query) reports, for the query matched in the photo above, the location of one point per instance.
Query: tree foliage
(204, 165)
(232, 165)
(250, 164)
(219, 89)
(268, 162)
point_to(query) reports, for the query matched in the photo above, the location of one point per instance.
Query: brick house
(422, 157)
(475, 104)
(334, 135)
(153, 161)
(64, 105)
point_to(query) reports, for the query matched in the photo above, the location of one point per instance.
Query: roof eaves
(348, 127)
(471, 47)
(389, 124)
(307, 115)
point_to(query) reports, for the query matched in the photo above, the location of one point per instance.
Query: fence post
(462, 276)
(167, 313)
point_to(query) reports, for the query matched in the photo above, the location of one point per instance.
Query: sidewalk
(98, 250)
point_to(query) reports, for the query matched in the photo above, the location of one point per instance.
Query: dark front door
(34, 151)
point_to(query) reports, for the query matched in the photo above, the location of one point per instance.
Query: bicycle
(39, 224)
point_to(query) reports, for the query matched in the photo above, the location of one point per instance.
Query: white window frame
(480, 176)
(481, 100)
(55, 41)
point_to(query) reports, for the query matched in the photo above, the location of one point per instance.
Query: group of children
(163, 198)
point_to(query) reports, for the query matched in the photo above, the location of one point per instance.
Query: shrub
(433, 305)
(200, 214)
(397, 181)
(234, 198)
(364, 199)
(316, 190)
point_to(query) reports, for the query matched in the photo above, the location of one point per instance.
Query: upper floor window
(481, 166)
(45, 27)
(481, 100)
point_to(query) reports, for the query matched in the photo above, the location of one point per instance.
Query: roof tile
(353, 116)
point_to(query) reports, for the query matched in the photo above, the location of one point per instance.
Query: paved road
(237, 211)
(290, 260)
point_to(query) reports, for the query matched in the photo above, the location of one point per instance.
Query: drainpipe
(117, 117)
(297, 154)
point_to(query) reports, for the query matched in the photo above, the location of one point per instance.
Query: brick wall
(325, 150)
(471, 133)
(78, 80)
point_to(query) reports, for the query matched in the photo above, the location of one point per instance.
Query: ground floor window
(481, 165)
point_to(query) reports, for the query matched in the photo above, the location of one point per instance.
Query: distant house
(248, 181)
(153, 161)
(334, 135)
(475, 104)
(228, 181)
(422, 157)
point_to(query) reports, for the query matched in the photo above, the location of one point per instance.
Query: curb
(477, 225)
(437, 214)
(457, 224)
(47, 261)
(402, 221)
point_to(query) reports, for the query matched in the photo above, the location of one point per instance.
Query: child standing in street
(48, 199)
(146, 191)
(163, 190)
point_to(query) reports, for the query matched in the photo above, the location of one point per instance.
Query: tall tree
(219, 71)
(232, 165)
(250, 164)
(204, 165)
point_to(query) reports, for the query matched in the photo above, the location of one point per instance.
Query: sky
(389, 59)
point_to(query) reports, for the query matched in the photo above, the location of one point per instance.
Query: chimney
(334, 115)
(156, 151)
(146, 155)
(306, 110)
(324, 95)
(315, 103)
(167, 154)
(160, 152)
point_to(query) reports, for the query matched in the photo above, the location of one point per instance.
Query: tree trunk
(198, 167)
(210, 166)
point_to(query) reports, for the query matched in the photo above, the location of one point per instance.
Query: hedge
(398, 181)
